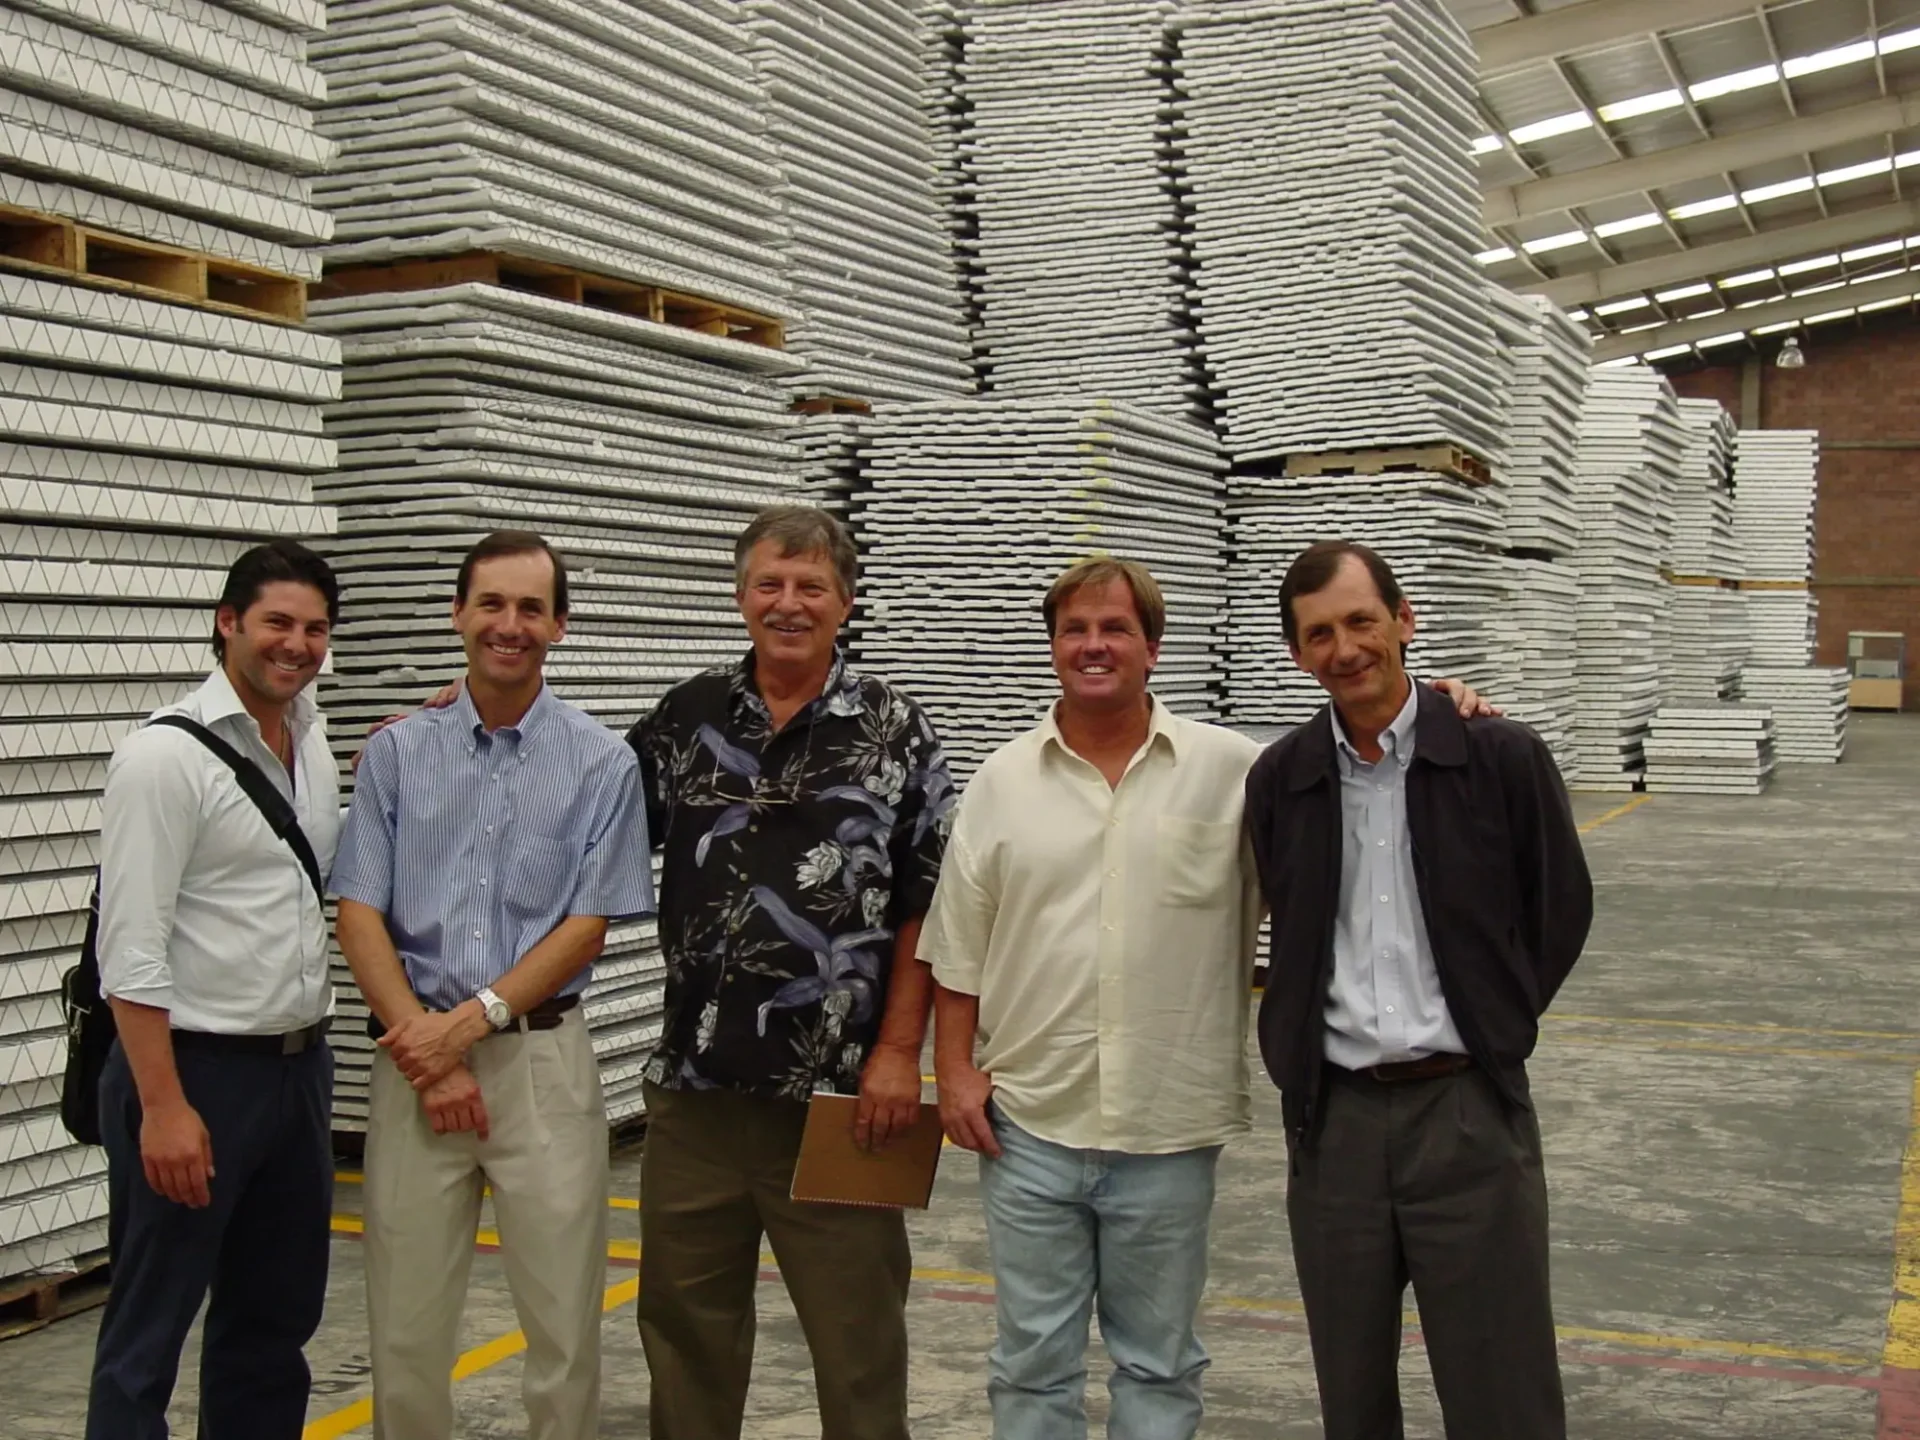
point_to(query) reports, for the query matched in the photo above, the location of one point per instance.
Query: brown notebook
(834, 1170)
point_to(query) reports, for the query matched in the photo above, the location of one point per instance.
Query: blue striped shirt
(475, 846)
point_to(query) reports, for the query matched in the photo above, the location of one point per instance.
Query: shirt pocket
(1199, 860)
(540, 876)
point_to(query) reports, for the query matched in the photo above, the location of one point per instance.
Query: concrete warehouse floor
(1726, 1088)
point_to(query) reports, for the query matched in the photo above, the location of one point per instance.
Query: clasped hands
(430, 1049)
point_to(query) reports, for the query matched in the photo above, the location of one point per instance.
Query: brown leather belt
(547, 1015)
(1427, 1067)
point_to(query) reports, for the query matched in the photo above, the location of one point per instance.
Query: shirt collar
(467, 716)
(217, 700)
(841, 693)
(1159, 727)
(1396, 740)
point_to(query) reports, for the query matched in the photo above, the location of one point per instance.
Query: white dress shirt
(204, 912)
(1109, 933)
(1384, 1003)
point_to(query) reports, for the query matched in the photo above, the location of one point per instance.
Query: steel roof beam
(1745, 253)
(1777, 312)
(1593, 25)
(1550, 194)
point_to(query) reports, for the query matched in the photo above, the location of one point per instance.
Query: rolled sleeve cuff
(368, 892)
(138, 977)
(962, 979)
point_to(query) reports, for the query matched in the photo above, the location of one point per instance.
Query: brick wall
(1859, 385)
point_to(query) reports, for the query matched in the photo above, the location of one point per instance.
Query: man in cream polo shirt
(1092, 939)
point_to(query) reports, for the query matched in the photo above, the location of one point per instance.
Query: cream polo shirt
(1109, 933)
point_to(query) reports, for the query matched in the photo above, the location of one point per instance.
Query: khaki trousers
(715, 1176)
(546, 1161)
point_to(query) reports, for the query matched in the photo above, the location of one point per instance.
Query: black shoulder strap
(265, 796)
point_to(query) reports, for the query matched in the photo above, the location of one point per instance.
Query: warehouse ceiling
(1696, 176)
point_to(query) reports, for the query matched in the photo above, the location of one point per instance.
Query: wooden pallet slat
(1443, 459)
(557, 282)
(832, 405)
(36, 1301)
(59, 248)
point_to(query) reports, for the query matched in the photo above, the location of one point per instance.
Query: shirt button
(1383, 900)
(1106, 927)
(476, 934)
(1379, 842)
(1389, 1009)
(483, 884)
(489, 829)
(1113, 874)
(494, 776)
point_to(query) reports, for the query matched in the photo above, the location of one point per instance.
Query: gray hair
(798, 530)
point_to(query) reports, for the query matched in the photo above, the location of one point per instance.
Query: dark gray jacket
(1503, 886)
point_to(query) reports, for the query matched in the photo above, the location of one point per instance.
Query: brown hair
(1148, 602)
(799, 530)
(1313, 570)
(512, 542)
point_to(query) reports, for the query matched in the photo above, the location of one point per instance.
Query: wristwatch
(499, 1013)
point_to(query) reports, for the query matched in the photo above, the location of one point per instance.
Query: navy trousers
(257, 1255)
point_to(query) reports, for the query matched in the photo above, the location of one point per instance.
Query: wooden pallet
(1442, 459)
(1773, 584)
(1708, 582)
(557, 282)
(58, 248)
(832, 405)
(36, 1301)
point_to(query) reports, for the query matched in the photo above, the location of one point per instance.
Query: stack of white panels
(1546, 613)
(1328, 146)
(1630, 443)
(148, 437)
(831, 456)
(1075, 228)
(1710, 749)
(973, 508)
(1809, 704)
(624, 141)
(871, 259)
(946, 128)
(619, 157)
(1441, 536)
(638, 449)
(1708, 619)
(1545, 381)
(1775, 475)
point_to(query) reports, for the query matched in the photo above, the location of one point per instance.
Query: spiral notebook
(833, 1170)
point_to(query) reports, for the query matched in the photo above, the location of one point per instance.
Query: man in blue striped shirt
(488, 845)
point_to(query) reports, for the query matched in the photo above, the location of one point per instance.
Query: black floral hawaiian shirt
(789, 862)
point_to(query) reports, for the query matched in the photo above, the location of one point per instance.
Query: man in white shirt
(1093, 935)
(215, 1105)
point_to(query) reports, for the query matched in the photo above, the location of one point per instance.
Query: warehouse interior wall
(1860, 388)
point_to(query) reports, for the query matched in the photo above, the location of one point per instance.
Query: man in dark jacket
(1429, 896)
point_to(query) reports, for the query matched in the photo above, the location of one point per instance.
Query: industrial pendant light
(1791, 357)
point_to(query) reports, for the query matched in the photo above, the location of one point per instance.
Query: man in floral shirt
(802, 810)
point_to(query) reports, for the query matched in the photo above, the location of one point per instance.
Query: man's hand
(177, 1154)
(964, 1092)
(1466, 698)
(889, 1097)
(439, 700)
(453, 1103)
(429, 1045)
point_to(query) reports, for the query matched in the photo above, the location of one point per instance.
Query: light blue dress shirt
(475, 846)
(1384, 1004)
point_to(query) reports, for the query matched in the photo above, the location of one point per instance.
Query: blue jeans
(1067, 1227)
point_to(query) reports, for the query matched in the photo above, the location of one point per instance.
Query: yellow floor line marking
(1614, 814)
(1752, 1028)
(359, 1414)
(1903, 1316)
(1708, 1047)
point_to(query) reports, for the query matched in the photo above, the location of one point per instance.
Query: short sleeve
(363, 866)
(959, 928)
(920, 825)
(616, 878)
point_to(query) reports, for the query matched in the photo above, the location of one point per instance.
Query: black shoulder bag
(90, 1027)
